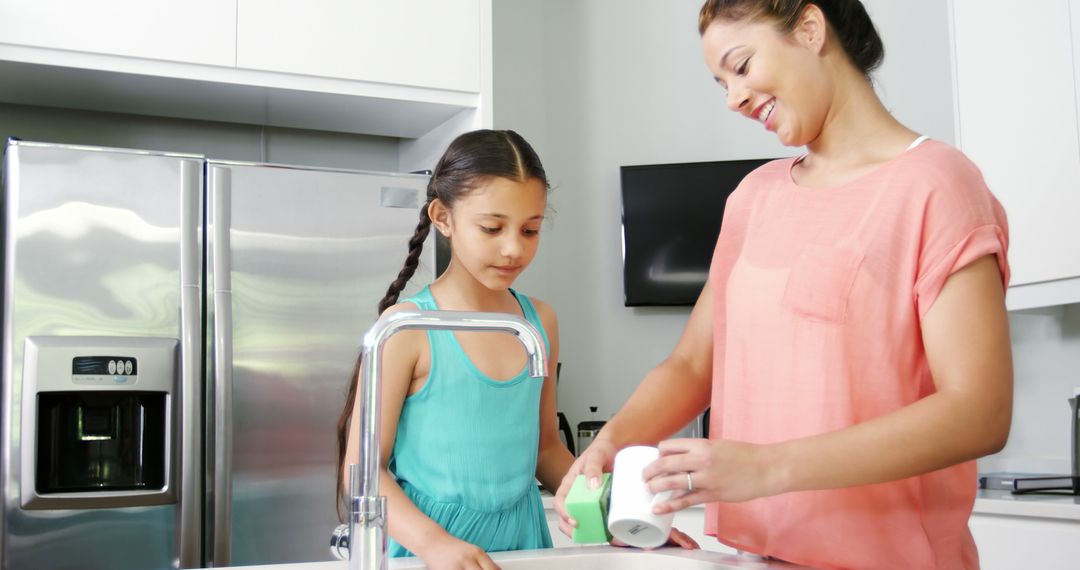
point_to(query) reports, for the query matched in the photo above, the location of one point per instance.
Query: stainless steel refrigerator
(178, 333)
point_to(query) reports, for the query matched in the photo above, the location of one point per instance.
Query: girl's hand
(719, 470)
(596, 459)
(680, 538)
(449, 553)
(676, 538)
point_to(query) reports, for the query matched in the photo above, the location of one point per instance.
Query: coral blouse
(819, 297)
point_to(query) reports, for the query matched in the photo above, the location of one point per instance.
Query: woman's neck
(858, 134)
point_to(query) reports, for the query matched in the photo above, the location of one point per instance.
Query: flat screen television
(671, 216)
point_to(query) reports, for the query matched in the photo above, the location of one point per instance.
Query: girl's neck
(457, 290)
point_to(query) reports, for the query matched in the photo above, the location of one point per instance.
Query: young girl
(469, 430)
(852, 339)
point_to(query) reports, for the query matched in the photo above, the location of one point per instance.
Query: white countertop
(1062, 507)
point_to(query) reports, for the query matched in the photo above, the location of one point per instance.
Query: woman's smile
(764, 112)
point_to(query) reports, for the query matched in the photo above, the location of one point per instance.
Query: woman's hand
(706, 471)
(597, 458)
(449, 553)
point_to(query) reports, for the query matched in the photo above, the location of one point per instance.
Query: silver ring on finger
(689, 482)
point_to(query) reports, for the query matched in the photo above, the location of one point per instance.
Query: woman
(852, 339)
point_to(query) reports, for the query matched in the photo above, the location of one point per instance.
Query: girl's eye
(530, 232)
(488, 230)
(743, 67)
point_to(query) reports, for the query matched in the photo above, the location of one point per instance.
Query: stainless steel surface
(339, 542)
(310, 253)
(220, 287)
(190, 516)
(91, 247)
(367, 531)
(106, 242)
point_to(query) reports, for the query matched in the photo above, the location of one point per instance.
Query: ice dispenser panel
(96, 441)
(98, 422)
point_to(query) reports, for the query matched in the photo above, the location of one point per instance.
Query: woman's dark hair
(847, 18)
(470, 160)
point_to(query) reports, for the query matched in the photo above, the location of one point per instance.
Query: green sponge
(589, 507)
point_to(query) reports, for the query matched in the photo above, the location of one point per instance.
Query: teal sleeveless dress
(466, 447)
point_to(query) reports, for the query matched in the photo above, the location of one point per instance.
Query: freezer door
(99, 243)
(298, 260)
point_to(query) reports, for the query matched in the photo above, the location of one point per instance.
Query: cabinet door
(193, 31)
(1017, 109)
(1008, 542)
(424, 43)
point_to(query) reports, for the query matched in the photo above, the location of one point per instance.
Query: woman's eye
(488, 230)
(743, 66)
(530, 232)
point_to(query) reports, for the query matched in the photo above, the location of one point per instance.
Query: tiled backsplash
(1046, 362)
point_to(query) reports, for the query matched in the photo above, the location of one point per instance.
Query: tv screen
(671, 216)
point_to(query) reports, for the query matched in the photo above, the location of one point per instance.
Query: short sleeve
(962, 222)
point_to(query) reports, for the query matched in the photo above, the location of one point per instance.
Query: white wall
(598, 84)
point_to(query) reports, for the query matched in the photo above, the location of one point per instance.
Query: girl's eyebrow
(504, 216)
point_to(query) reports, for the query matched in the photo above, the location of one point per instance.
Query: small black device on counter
(587, 431)
(1074, 404)
(566, 433)
(1030, 483)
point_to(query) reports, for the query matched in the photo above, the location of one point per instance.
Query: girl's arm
(966, 336)
(553, 458)
(407, 524)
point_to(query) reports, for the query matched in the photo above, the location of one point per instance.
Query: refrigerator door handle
(189, 407)
(221, 266)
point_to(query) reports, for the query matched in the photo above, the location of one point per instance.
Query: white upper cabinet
(379, 67)
(424, 43)
(1017, 106)
(193, 31)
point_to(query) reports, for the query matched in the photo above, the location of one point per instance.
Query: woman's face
(774, 78)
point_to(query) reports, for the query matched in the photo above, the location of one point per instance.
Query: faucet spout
(368, 510)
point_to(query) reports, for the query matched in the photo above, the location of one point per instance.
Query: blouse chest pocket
(820, 282)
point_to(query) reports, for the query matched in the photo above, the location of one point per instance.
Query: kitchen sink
(612, 558)
(580, 558)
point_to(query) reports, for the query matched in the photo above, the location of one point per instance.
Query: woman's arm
(553, 458)
(966, 336)
(671, 394)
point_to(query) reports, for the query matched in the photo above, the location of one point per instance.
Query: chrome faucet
(367, 510)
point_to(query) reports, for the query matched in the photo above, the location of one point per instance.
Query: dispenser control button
(104, 370)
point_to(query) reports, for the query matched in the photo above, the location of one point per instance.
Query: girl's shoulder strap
(423, 300)
(529, 310)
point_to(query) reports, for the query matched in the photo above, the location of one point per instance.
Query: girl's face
(770, 77)
(495, 229)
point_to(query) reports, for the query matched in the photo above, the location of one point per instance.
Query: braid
(416, 246)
